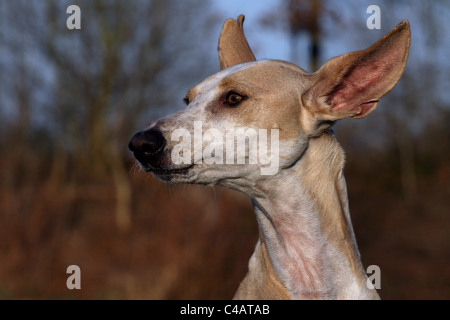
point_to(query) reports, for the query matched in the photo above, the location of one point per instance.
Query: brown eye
(233, 99)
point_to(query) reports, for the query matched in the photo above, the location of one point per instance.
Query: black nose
(146, 145)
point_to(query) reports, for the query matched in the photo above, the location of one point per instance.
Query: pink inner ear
(361, 84)
(352, 84)
(365, 109)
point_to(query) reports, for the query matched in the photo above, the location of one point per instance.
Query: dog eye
(233, 99)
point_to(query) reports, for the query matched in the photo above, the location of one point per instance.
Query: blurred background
(70, 192)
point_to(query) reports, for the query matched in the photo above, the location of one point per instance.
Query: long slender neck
(306, 237)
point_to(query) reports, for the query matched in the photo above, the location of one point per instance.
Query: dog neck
(307, 244)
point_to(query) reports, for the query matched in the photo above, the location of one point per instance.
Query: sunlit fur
(307, 248)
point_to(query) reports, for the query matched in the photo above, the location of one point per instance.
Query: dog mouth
(168, 173)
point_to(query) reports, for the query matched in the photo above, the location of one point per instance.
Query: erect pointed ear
(351, 85)
(233, 47)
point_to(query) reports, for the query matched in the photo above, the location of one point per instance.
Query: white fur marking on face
(218, 147)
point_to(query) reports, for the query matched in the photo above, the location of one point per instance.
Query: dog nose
(145, 145)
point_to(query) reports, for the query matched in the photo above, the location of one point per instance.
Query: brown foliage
(185, 241)
(189, 242)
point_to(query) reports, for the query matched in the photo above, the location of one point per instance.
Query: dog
(306, 247)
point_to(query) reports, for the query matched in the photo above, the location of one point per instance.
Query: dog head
(254, 119)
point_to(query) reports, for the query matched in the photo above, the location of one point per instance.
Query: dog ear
(351, 85)
(233, 47)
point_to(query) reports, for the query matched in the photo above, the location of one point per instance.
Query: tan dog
(307, 248)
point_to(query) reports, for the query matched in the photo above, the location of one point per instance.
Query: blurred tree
(299, 17)
(98, 83)
(304, 16)
(419, 97)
